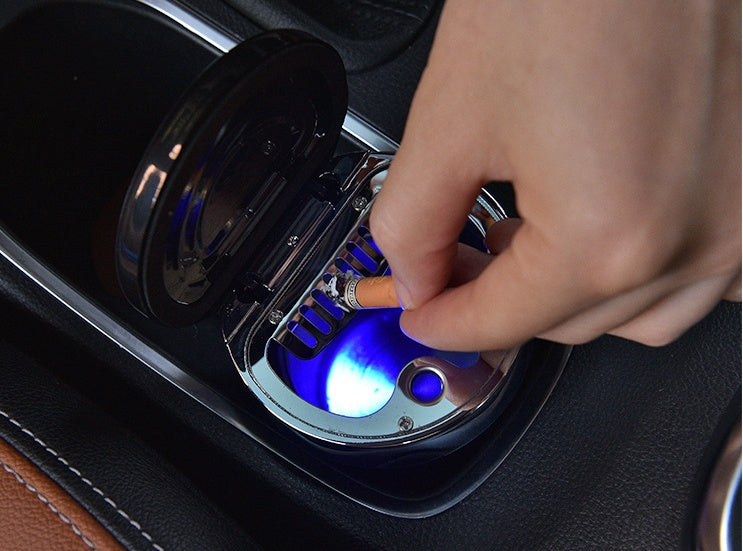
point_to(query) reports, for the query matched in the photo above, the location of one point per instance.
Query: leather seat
(71, 477)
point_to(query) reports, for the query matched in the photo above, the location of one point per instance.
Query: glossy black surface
(242, 142)
(196, 346)
(618, 458)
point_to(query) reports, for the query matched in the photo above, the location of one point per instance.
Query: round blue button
(426, 386)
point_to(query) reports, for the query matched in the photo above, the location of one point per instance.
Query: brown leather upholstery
(36, 513)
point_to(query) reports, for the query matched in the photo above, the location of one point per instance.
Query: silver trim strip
(112, 329)
(715, 523)
(365, 133)
(194, 24)
(353, 125)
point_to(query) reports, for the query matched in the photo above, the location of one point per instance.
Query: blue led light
(355, 389)
(366, 261)
(314, 318)
(426, 386)
(356, 374)
(364, 362)
(302, 334)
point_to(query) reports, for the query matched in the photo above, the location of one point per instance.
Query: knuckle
(616, 261)
(657, 338)
(651, 331)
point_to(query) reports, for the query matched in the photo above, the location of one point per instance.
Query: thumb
(445, 157)
(417, 218)
(524, 291)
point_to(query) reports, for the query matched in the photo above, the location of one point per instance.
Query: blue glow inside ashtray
(426, 386)
(355, 375)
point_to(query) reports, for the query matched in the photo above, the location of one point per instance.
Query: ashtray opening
(356, 374)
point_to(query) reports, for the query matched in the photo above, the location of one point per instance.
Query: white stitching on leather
(77, 473)
(49, 504)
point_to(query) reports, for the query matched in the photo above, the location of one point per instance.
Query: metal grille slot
(317, 320)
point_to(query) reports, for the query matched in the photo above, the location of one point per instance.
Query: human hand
(618, 124)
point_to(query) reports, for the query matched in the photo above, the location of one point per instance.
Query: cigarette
(351, 292)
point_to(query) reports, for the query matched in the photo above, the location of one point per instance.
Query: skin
(618, 124)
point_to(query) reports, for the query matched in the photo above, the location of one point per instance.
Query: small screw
(275, 316)
(268, 148)
(359, 203)
(405, 423)
(293, 241)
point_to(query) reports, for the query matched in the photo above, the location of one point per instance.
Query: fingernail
(404, 327)
(404, 295)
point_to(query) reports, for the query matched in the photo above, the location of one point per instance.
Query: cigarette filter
(351, 292)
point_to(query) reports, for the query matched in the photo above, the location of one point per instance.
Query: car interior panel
(182, 381)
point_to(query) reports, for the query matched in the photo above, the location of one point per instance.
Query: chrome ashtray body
(353, 378)
(240, 214)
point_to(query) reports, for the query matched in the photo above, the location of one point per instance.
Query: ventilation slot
(361, 255)
(314, 324)
(302, 334)
(323, 301)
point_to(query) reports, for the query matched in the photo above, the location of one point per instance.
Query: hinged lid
(240, 144)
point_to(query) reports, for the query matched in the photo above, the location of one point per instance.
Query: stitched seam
(76, 530)
(77, 473)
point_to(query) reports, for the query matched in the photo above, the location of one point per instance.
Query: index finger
(417, 219)
(524, 291)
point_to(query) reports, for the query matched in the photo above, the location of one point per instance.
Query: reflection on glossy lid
(237, 150)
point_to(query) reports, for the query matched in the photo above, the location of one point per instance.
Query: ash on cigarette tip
(335, 286)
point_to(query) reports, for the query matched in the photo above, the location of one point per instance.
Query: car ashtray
(239, 210)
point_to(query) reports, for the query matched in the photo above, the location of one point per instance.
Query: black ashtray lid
(241, 145)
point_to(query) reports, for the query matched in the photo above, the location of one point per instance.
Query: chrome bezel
(384, 427)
